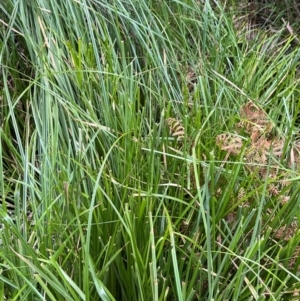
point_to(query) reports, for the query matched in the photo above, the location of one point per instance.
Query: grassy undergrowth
(113, 186)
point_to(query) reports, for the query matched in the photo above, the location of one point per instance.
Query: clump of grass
(112, 185)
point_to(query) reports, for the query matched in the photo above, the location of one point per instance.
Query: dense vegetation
(149, 150)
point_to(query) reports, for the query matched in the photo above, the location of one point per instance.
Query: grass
(113, 185)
